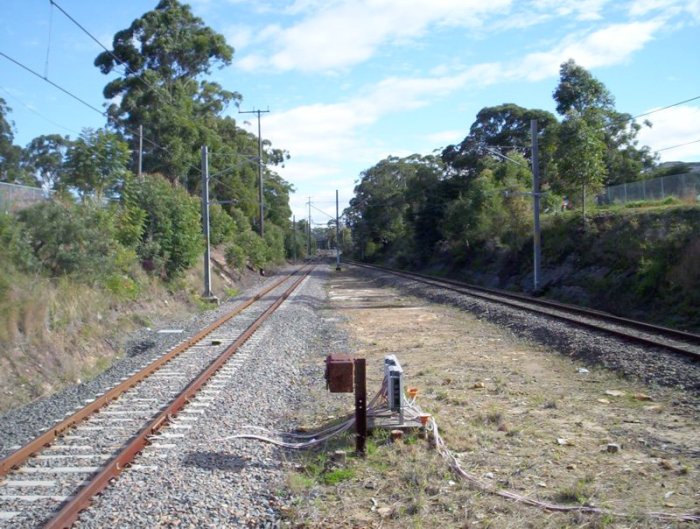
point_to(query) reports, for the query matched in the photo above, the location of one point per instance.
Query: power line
(665, 108)
(679, 145)
(28, 107)
(109, 52)
(67, 92)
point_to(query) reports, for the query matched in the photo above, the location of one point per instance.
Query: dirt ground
(518, 416)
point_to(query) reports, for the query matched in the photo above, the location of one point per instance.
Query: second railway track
(679, 342)
(49, 480)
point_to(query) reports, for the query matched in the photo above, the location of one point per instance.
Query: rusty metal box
(339, 373)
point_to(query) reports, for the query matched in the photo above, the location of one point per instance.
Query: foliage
(222, 227)
(69, 239)
(165, 52)
(96, 164)
(10, 154)
(235, 256)
(171, 238)
(581, 155)
(45, 157)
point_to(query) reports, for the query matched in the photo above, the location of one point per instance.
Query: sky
(350, 82)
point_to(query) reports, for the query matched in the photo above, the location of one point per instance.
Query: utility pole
(205, 222)
(308, 252)
(536, 206)
(294, 237)
(260, 169)
(337, 234)
(140, 167)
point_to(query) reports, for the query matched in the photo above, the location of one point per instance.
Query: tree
(164, 53)
(582, 94)
(10, 170)
(501, 128)
(578, 90)
(96, 164)
(581, 155)
(44, 157)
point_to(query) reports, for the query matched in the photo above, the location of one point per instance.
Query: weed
(336, 476)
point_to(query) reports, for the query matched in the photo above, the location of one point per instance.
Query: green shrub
(274, 240)
(222, 228)
(254, 247)
(171, 240)
(69, 239)
(235, 257)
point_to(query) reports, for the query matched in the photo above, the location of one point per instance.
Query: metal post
(260, 181)
(260, 169)
(140, 168)
(308, 253)
(360, 405)
(294, 237)
(205, 222)
(337, 234)
(536, 206)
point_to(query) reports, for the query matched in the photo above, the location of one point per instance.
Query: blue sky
(349, 82)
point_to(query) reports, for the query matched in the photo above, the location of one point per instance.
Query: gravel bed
(653, 366)
(23, 424)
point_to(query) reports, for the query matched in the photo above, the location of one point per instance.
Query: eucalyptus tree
(580, 96)
(162, 58)
(45, 157)
(10, 154)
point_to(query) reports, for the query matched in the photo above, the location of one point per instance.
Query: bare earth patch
(518, 416)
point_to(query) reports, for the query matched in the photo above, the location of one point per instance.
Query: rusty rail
(19, 456)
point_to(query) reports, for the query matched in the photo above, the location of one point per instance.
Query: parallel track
(95, 444)
(679, 342)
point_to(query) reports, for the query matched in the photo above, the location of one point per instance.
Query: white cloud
(340, 34)
(605, 47)
(671, 127)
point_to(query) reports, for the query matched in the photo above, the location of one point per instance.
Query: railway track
(51, 479)
(678, 342)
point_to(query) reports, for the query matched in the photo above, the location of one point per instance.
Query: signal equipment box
(393, 373)
(340, 373)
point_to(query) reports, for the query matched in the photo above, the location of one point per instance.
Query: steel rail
(20, 455)
(519, 301)
(69, 513)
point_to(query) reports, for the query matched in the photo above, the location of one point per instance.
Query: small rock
(571, 466)
(479, 385)
(613, 448)
(615, 393)
(385, 512)
(642, 396)
(582, 370)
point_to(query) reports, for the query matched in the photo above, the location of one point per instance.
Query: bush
(171, 240)
(222, 228)
(235, 257)
(70, 239)
(274, 240)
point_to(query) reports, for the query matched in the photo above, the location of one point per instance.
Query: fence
(14, 197)
(684, 186)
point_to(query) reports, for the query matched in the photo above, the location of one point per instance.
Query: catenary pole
(294, 237)
(536, 206)
(337, 234)
(308, 253)
(205, 222)
(260, 169)
(140, 151)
